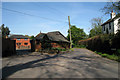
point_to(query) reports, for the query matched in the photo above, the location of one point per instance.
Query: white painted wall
(107, 27)
(116, 25)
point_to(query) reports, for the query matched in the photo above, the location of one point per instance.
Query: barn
(51, 40)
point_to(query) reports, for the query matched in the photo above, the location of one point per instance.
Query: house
(22, 42)
(51, 40)
(111, 26)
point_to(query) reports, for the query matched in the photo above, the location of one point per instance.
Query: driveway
(80, 63)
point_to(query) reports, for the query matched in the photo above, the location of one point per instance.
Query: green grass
(72, 49)
(112, 57)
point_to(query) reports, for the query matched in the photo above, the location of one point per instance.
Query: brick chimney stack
(112, 14)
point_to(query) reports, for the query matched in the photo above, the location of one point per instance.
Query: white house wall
(107, 27)
(116, 25)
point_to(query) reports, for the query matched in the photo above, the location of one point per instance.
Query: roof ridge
(53, 31)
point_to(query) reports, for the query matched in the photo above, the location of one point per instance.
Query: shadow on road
(7, 71)
(74, 63)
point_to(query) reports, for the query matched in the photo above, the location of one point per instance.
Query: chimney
(6, 36)
(112, 14)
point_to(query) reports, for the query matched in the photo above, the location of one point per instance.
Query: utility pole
(70, 32)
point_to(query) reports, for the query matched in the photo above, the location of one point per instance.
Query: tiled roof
(53, 36)
(18, 37)
(110, 20)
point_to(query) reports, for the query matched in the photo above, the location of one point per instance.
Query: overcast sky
(29, 18)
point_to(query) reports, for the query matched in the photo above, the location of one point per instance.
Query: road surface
(80, 63)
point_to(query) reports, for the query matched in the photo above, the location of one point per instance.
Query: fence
(32, 45)
(8, 47)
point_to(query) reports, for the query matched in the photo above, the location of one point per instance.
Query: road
(80, 63)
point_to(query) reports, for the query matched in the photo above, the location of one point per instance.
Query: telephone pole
(70, 32)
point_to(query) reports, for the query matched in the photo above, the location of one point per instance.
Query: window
(18, 43)
(119, 24)
(26, 43)
(110, 25)
(104, 28)
(26, 39)
(18, 39)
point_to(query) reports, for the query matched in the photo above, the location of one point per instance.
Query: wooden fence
(8, 47)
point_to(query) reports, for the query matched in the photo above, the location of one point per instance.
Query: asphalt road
(80, 63)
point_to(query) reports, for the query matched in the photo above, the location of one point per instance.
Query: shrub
(104, 55)
(59, 49)
(72, 49)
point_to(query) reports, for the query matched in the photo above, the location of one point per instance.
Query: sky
(29, 18)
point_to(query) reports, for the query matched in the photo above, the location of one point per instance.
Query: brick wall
(8, 47)
(60, 45)
(38, 46)
(23, 44)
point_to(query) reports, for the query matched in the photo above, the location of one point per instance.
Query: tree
(5, 31)
(96, 27)
(111, 6)
(27, 36)
(76, 34)
(32, 37)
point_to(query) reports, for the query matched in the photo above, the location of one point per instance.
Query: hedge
(102, 43)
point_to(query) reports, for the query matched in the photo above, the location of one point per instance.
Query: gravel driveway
(80, 63)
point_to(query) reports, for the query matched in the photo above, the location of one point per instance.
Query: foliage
(72, 49)
(106, 45)
(59, 49)
(5, 31)
(99, 43)
(79, 46)
(112, 57)
(32, 37)
(96, 27)
(76, 34)
(115, 40)
(27, 36)
(111, 6)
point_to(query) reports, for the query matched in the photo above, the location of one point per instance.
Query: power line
(52, 9)
(32, 15)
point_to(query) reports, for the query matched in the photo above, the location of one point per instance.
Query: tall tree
(96, 26)
(5, 31)
(76, 34)
(111, 6)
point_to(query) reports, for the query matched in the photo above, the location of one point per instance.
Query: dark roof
(110, 20)
(18, 37)
(40, 36)
(56, 36)
(53, 36)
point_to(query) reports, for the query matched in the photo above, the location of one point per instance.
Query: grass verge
(112, 57)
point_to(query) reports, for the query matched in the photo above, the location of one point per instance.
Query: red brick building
(51, 40)
(22, 42)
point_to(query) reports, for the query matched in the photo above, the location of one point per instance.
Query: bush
(72, 49)
(101, 43)
(115, 40)
(104, 55)
(59, 49)
(79, 46)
